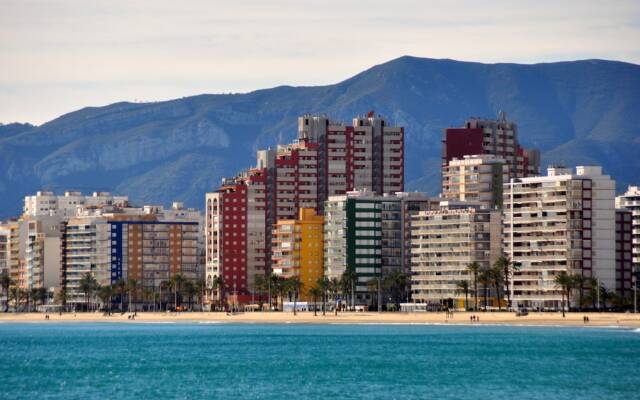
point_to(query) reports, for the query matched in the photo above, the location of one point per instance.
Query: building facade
(496, 137)
(46, 203)
(631, 201)
(476, 178)
(444, 243)
(368, 234)
(328, 158)
(562, 222)
(298, 249)
(624, 254)
(149, 245)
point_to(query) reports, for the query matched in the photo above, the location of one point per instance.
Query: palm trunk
(497, 285)
(475, 291)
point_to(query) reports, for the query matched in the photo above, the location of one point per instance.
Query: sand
(628, 320)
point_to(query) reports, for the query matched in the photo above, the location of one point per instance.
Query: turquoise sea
(247, 361)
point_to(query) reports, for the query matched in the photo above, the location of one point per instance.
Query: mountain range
(578, 112)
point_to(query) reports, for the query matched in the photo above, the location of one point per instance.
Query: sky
(57, 57)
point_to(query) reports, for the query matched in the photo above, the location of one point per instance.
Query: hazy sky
(56, 57)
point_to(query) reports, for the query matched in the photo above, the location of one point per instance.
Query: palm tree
(315, 292)
(132, 286)
(41, 295)
(348, 283)
(592, 283)
(105, 293)
(121, 285)
(297, 285)
(474, 268)
(334, 289)
(190, 290)
(259, 287)
(33, 295)
(61, 297)
(564, 281)
(485, 280)
(5, 283)
(396, 283)
(323, 284)
(463, 288)
(497, 279)
(177, 281)
(14, 293)
(219, 286)
(578, 282)
(87, 285)
(505, 267)
(201, 285)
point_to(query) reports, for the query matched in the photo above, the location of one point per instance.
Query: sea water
(246, 361)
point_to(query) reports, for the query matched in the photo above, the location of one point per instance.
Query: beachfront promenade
(506, 318)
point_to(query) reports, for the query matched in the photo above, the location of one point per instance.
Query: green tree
(334, 289)
(497, 279)
(260, 287)
(219, 286)
(323, 284)
(6, 282)
(348, 282)
(462, 287)
(87, 285)
(315, 292)
(396, 284)
(504, 268)
(177, 282)
(564, 282)
(474, 268)
(296, 286)
(189, 290)
(132, 287)
(105, 293)
(485, 279)
(41, 295)
(121, 286)
(578, 282)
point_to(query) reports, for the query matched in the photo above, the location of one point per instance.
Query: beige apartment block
(562, 222)
(444, 243)
(476, 178)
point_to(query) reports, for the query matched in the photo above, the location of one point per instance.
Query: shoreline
(573, 319)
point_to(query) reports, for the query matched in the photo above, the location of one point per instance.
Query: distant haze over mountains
(579, 112)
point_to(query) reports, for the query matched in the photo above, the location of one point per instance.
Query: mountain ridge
(574, 111)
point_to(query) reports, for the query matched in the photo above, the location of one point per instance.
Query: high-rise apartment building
(562, 222)
(631, 201)
(497, 137)
(369, 233)
(475, 178)
(298, 249)
(328, 158)
(444, 243)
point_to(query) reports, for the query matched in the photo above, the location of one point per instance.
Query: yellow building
(298, 249)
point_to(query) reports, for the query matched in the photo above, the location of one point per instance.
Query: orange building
(298, 249)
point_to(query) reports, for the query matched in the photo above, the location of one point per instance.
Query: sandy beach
(503, 318)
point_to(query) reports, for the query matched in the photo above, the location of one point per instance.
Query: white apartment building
(476, 178)
(562, 222)
(444, 243)
(46, 203)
